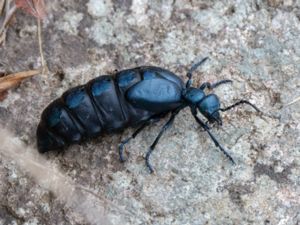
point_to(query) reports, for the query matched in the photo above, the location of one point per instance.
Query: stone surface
(254, 43)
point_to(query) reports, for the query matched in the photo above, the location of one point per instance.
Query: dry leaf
(33, 7)
(14, 79)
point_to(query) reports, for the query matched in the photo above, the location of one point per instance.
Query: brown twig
(38, 10)
(33, 7)
(14, 79)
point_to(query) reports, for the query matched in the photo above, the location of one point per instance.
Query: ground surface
(254, 43)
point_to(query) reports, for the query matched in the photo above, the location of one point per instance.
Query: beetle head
(209, 107)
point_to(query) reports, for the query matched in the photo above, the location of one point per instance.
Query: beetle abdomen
(98, 106)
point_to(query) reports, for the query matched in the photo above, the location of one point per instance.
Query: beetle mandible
(134, 97)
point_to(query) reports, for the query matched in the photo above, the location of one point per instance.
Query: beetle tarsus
(151, 170)
(122, 148)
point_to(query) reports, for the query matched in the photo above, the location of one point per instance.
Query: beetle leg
(239, 103)
(191, 70)
(213, 85)
(205, 127)
(124, 142)
(167, 125)
(144, 125)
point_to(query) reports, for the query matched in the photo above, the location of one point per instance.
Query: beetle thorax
(193, 95)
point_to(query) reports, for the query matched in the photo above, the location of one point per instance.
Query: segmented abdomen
(86, 111)
(98, 106)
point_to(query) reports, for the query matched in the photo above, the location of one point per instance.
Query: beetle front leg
(204, 126)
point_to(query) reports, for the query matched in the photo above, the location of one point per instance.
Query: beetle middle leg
(167, 125)
(135, 133)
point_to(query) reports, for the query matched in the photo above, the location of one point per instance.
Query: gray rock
(254, 43)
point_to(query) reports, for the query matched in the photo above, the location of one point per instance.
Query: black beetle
(133, 97)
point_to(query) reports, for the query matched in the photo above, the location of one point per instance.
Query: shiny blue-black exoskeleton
(134, 97)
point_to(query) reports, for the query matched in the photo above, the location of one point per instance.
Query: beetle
(134, 97)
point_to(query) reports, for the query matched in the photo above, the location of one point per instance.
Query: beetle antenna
(192, 69)
(214, 85)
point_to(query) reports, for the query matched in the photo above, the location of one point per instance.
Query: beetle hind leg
(124, 142)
